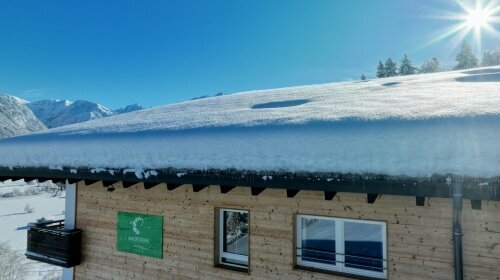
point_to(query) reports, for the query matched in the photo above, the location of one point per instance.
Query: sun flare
(478, 18)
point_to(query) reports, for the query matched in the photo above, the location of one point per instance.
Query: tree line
(465, 59)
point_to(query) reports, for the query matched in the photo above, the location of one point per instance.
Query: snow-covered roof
(444, 123)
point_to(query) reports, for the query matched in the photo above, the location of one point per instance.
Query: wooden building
(391, 197)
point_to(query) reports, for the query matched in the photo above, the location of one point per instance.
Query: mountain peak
(16, 118)
(56, 113)
(129, 108)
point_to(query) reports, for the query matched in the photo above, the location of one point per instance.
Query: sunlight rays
(477, 19)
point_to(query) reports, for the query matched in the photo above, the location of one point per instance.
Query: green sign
(140, 234)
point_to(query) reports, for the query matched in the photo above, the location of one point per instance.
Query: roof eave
(435, 186)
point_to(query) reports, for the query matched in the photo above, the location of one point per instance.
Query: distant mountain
(54, 113)
(16, 118)
(47, 110)
(129, 108)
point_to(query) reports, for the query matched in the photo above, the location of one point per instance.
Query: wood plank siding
(419, 238)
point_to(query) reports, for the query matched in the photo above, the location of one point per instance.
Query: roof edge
(433, 186)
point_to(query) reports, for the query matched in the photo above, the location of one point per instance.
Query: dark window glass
(363, 246)
(318, 240)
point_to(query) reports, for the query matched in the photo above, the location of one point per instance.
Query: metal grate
(49, 242)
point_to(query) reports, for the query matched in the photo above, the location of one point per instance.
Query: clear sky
(158, 52)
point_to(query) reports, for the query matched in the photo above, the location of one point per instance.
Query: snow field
(13, 221)
(416, 125)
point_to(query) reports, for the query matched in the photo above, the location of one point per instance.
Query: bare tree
(11, 264)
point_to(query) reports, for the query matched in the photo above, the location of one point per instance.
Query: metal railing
(330, 258)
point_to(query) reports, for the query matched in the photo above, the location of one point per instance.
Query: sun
(478, 18)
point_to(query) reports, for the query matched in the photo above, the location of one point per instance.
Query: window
(342, 245)
(233, 238)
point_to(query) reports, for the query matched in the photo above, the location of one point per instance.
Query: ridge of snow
(413, 97)
(420, 125)
(20, 100)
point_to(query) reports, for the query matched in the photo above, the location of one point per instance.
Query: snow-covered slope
(415, 125)
(129, 108)
(54, 113)
(47, 110)
(14, 220)
(16, 118)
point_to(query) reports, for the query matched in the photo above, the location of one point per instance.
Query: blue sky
(158, 52)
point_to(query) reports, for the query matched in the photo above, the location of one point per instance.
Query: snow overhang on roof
(413, 126)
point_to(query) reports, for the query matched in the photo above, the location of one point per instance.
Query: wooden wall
(419, 238)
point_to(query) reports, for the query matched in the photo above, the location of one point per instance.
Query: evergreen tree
(363, 77)
(465, 58)
(380, 70)
(430, 66)
(406, 67)
(487, 59)
(496, 57)
(390, 68)
(491, 58)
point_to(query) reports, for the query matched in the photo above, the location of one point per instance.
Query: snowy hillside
(43, 203)
(46, 110)
(54, 113)
(414, 125)
(16, 118)
(129, 108)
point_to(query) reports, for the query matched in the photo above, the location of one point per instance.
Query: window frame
(339, 266)
(221, 254)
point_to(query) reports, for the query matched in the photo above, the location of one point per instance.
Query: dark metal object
(475, 204)
(330, 195)
(12, 178)
(257, 191)
(49, 242)
(148, 185)
(73, 181)
(90, 182)
(107, 183)
(371, 197)
(226, 189)
(198, 188)
(128, 184)
(420, 200)
(457, 230)
(291, 193)
(172, 187)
